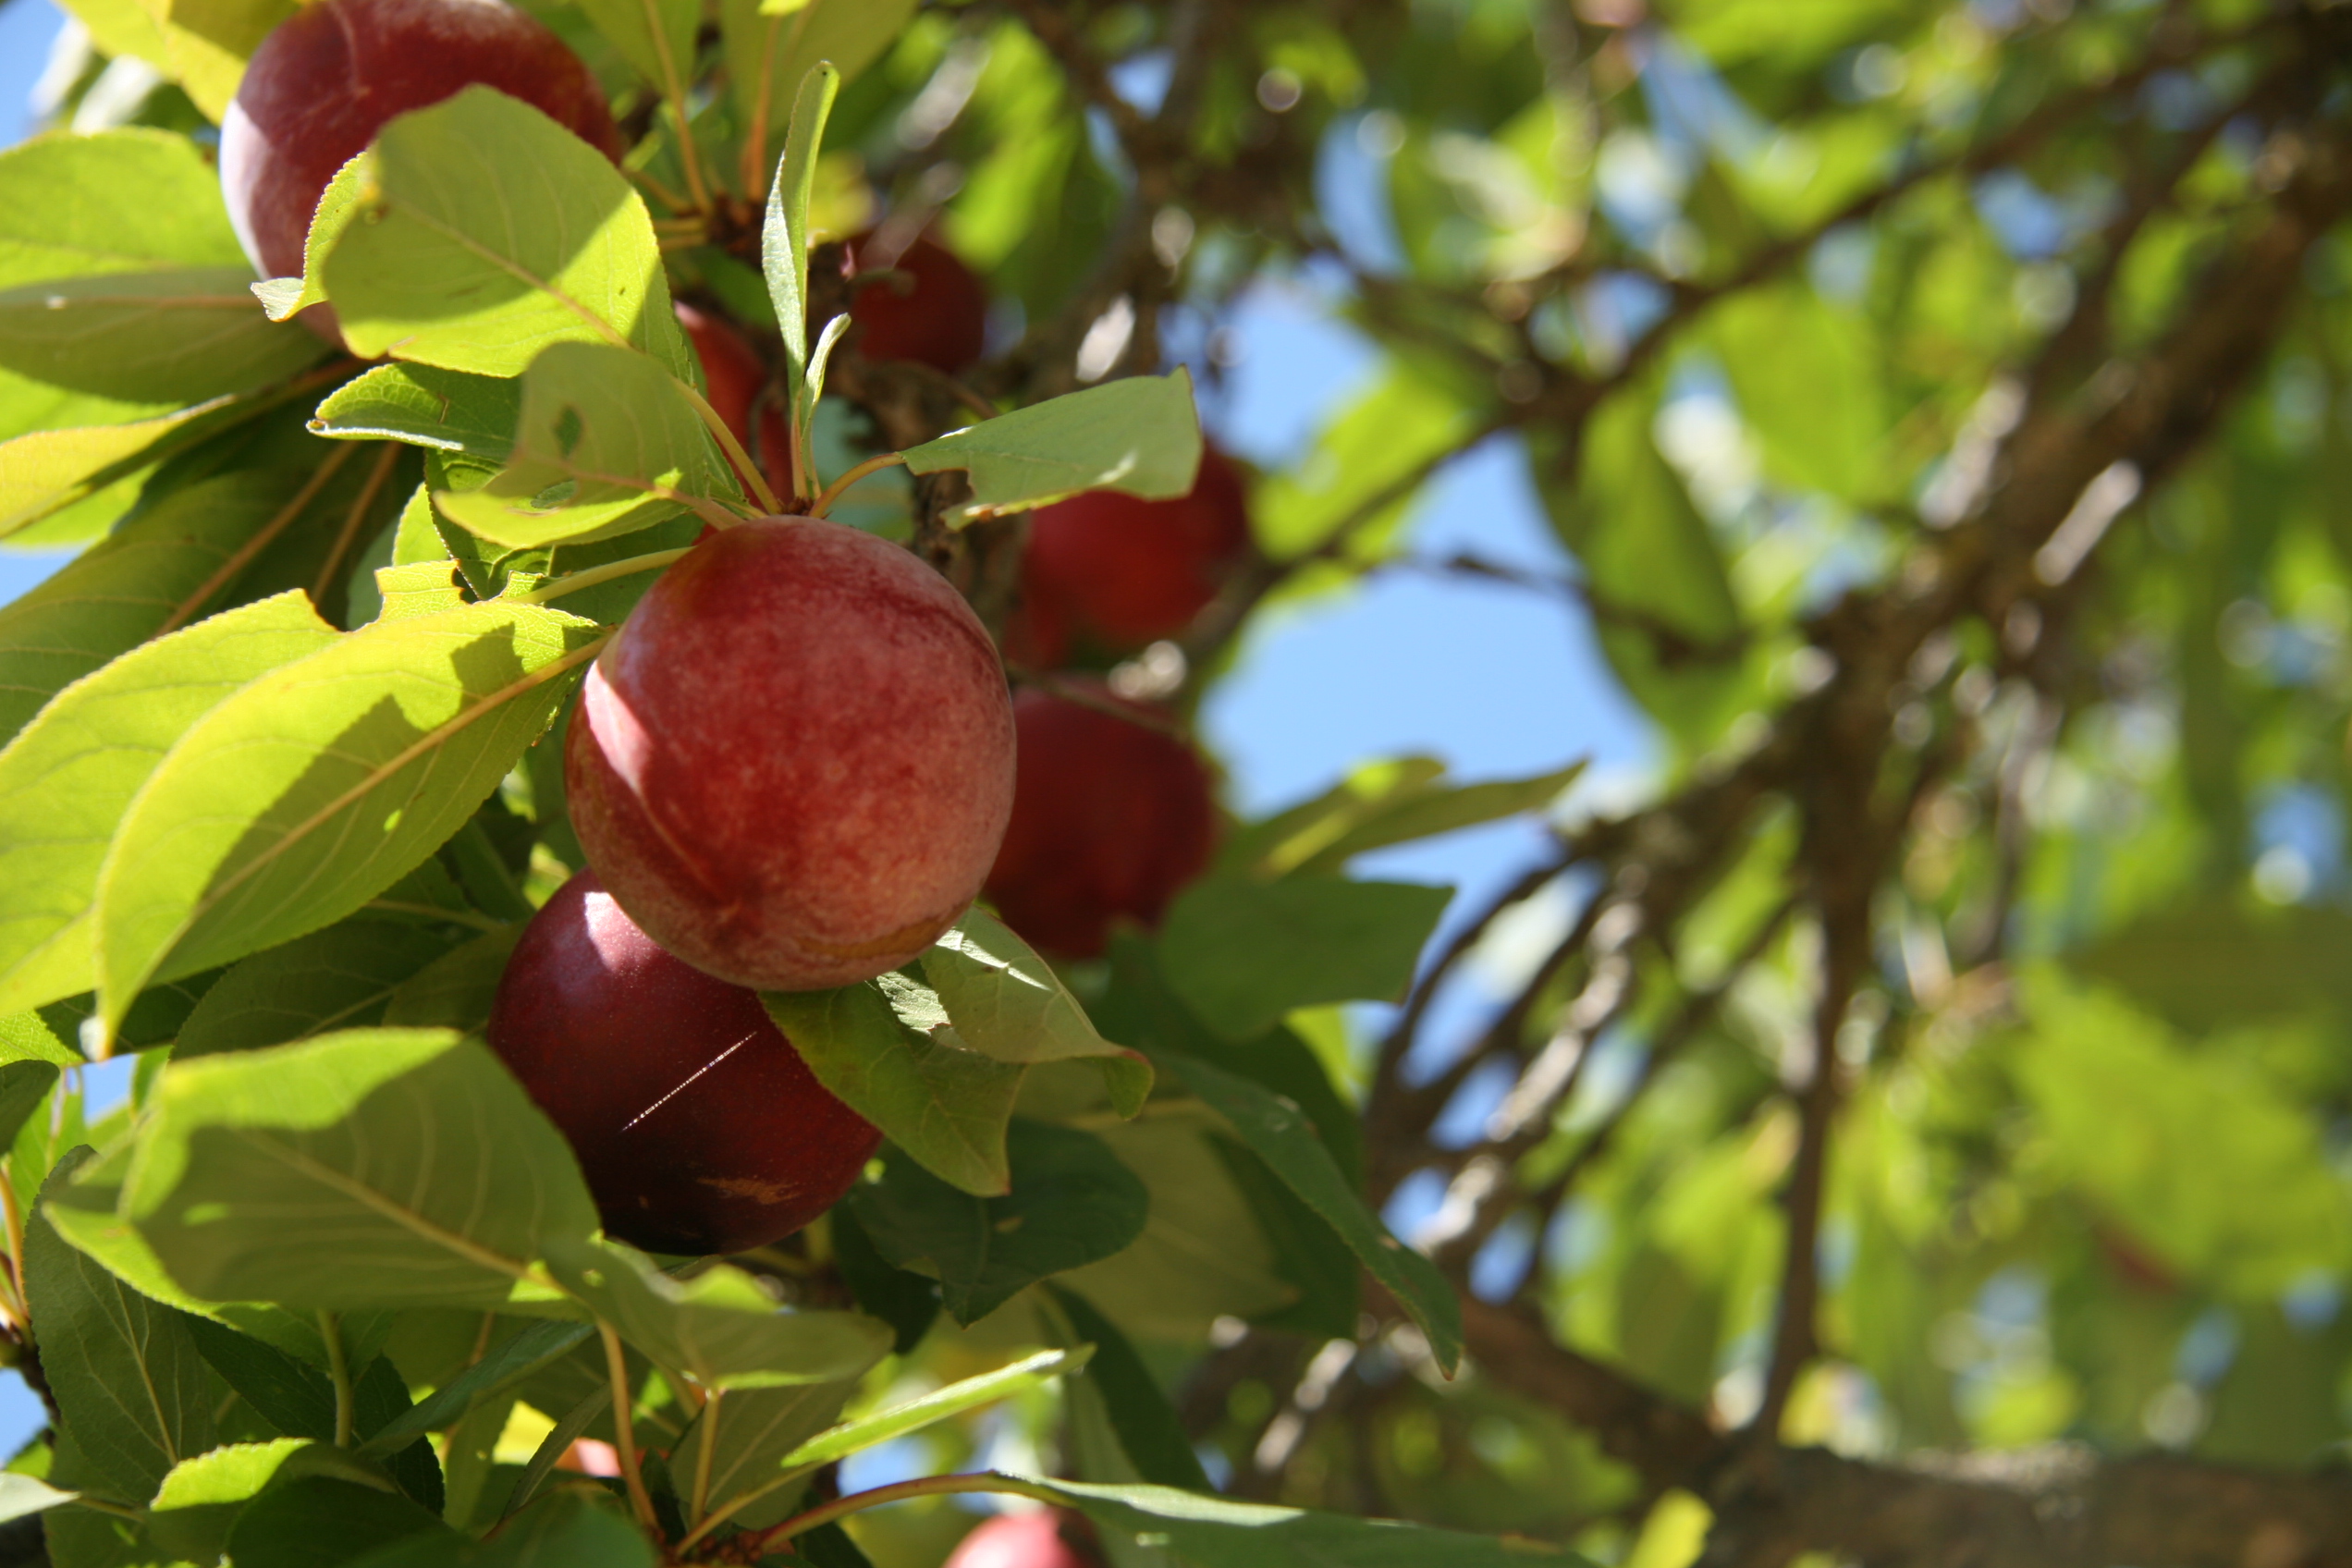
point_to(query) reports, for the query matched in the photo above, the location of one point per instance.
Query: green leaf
(45, 473)
(1140, 1411)
(455, 990)
(509, 1362)
(1244, 953)
(1072, 1204)
(426, 406)
(1311, 1256)
(285, 1390)
(2212, 963)
(750, 1431)
(656, 36)
(608, 445)
(128, 1382)
(564, 1531)
(770, 51)
(1364, 470)
(485, 232)
(22, 1495)
(318, 786)
(1212, 1532)
(1140, 1006)
(343, 977)
(1140, 435)
(30, 1057)
(908, 1303)
(120, 201)
(784, 244)
(66, 780)
(1832, 437)
(941, 1404)
(176, 337)
(1006, 1002)
(323, 1522)
(720, 1328)
(282, 297)
(2117, 1097)
(371, 1167)
(1275, 1131)
(1670, 624)
(202, 1497)
(1203, 1254)
(1379, 805)
(152, 574)
(873, 1045)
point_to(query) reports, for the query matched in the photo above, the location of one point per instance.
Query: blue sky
(1496, 680)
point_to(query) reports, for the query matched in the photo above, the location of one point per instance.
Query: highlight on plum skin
(698, 1126)
(1111, 818)
(794, 763)
(328, 77)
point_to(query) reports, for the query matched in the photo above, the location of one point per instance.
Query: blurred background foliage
(1782, 308)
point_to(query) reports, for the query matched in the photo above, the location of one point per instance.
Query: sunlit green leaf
(66, 780)
(362, 1168)
(318, 786)
(1140, 436)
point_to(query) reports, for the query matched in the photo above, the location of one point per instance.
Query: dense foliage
(1948, 410)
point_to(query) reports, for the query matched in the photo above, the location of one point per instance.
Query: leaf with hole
(608, 444)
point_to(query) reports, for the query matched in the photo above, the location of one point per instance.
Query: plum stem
(833, 492)
(588, 577)
(339, 1366)
(928, 1486)
(624, 1436)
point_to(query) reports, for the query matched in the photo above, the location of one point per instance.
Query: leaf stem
(833, 492)
(703, 1455)
(339, 1366)
(929, 1486)
(588, 577)
(348, 533)
(624, 1408)
(242, 556)
(732, 447)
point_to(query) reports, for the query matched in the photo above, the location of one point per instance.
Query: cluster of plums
(794, 767)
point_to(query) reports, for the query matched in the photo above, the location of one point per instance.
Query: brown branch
(2060, 1506)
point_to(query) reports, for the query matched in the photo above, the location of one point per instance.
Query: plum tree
(1020, 1540)
(326, 80)
(794, 763)
(1111, 818)
(1110, 572)
(934, 312)
(698, 1126)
